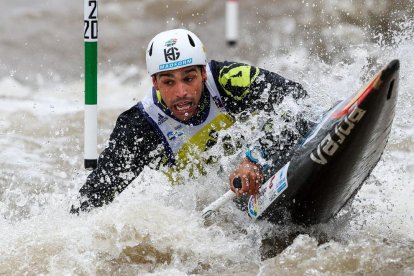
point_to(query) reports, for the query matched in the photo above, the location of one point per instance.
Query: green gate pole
(91, 71)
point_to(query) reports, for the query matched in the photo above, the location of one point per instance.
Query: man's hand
(251, 178)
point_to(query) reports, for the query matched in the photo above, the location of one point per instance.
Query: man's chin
(183, 116)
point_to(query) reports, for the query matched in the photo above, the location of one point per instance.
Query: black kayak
(329, 166)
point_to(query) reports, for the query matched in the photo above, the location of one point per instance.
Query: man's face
(181, 90)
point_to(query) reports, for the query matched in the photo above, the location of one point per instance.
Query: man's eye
(168, 82)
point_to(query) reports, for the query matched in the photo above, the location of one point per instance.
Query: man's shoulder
(225, 70)
(132, 125)
(133, 117)
(131, 114)
(220, 64)
(233, 77)
(223, 67)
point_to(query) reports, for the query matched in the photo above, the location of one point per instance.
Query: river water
(331, 47)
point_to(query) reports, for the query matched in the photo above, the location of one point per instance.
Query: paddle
(229, 195)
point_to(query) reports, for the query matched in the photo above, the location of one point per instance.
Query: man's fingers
(249, 175)
(250, 184)
(256, 179)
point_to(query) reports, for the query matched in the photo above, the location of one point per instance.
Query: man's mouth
(183, 106)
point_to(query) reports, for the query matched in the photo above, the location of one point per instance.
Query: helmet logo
(171, 54)
(170, 42)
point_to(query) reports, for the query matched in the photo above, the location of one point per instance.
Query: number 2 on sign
(91, 21)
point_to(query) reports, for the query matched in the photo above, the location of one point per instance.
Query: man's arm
(251, 89)
(268, 91)
(128, 152)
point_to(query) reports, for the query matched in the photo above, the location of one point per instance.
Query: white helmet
(174, 49)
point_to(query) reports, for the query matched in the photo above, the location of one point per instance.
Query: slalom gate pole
(91, 79)
(232, 10)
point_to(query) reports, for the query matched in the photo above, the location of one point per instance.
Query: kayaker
(191, 101)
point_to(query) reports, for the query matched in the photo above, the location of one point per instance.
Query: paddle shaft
(218, 203)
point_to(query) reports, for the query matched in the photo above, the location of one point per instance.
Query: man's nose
(181, 90)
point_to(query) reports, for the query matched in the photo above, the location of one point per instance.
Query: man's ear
(154, 82)
(204, 73)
